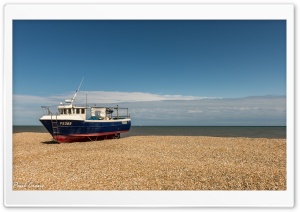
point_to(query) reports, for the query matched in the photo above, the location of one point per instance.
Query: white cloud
(27, 108)
(27, 99)
(100, 97)
(115, 97)
(155, 109)
(195, 111)
(211, 112)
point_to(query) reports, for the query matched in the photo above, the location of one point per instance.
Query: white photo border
(145, 12)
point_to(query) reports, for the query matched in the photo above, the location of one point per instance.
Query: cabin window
(82, 111)
(97, 114)
(67, 111)
(77, 111)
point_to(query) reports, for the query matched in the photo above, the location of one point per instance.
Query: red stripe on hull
(85, 137)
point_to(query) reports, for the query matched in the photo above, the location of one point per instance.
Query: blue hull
(76, 130)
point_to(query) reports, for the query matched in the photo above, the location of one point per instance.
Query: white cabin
(72, 110)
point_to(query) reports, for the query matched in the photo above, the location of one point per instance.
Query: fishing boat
(73, 123)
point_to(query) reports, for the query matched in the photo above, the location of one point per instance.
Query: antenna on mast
(80, 84)
(72, 100)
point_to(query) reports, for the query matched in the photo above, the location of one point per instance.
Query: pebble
(149, 163)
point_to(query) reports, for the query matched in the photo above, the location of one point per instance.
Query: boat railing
(46, 110)
(112, 113)
(122, 113)
(120, 117)
(119, 113)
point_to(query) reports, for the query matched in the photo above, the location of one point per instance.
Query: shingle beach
(149, 163)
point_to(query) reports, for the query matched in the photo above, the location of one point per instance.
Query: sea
(214, 131)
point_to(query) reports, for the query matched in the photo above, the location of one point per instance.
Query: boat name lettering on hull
(66, 123)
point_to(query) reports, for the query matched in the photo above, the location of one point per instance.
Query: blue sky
(153, 61)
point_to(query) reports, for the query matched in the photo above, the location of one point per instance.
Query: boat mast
(85, 100)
